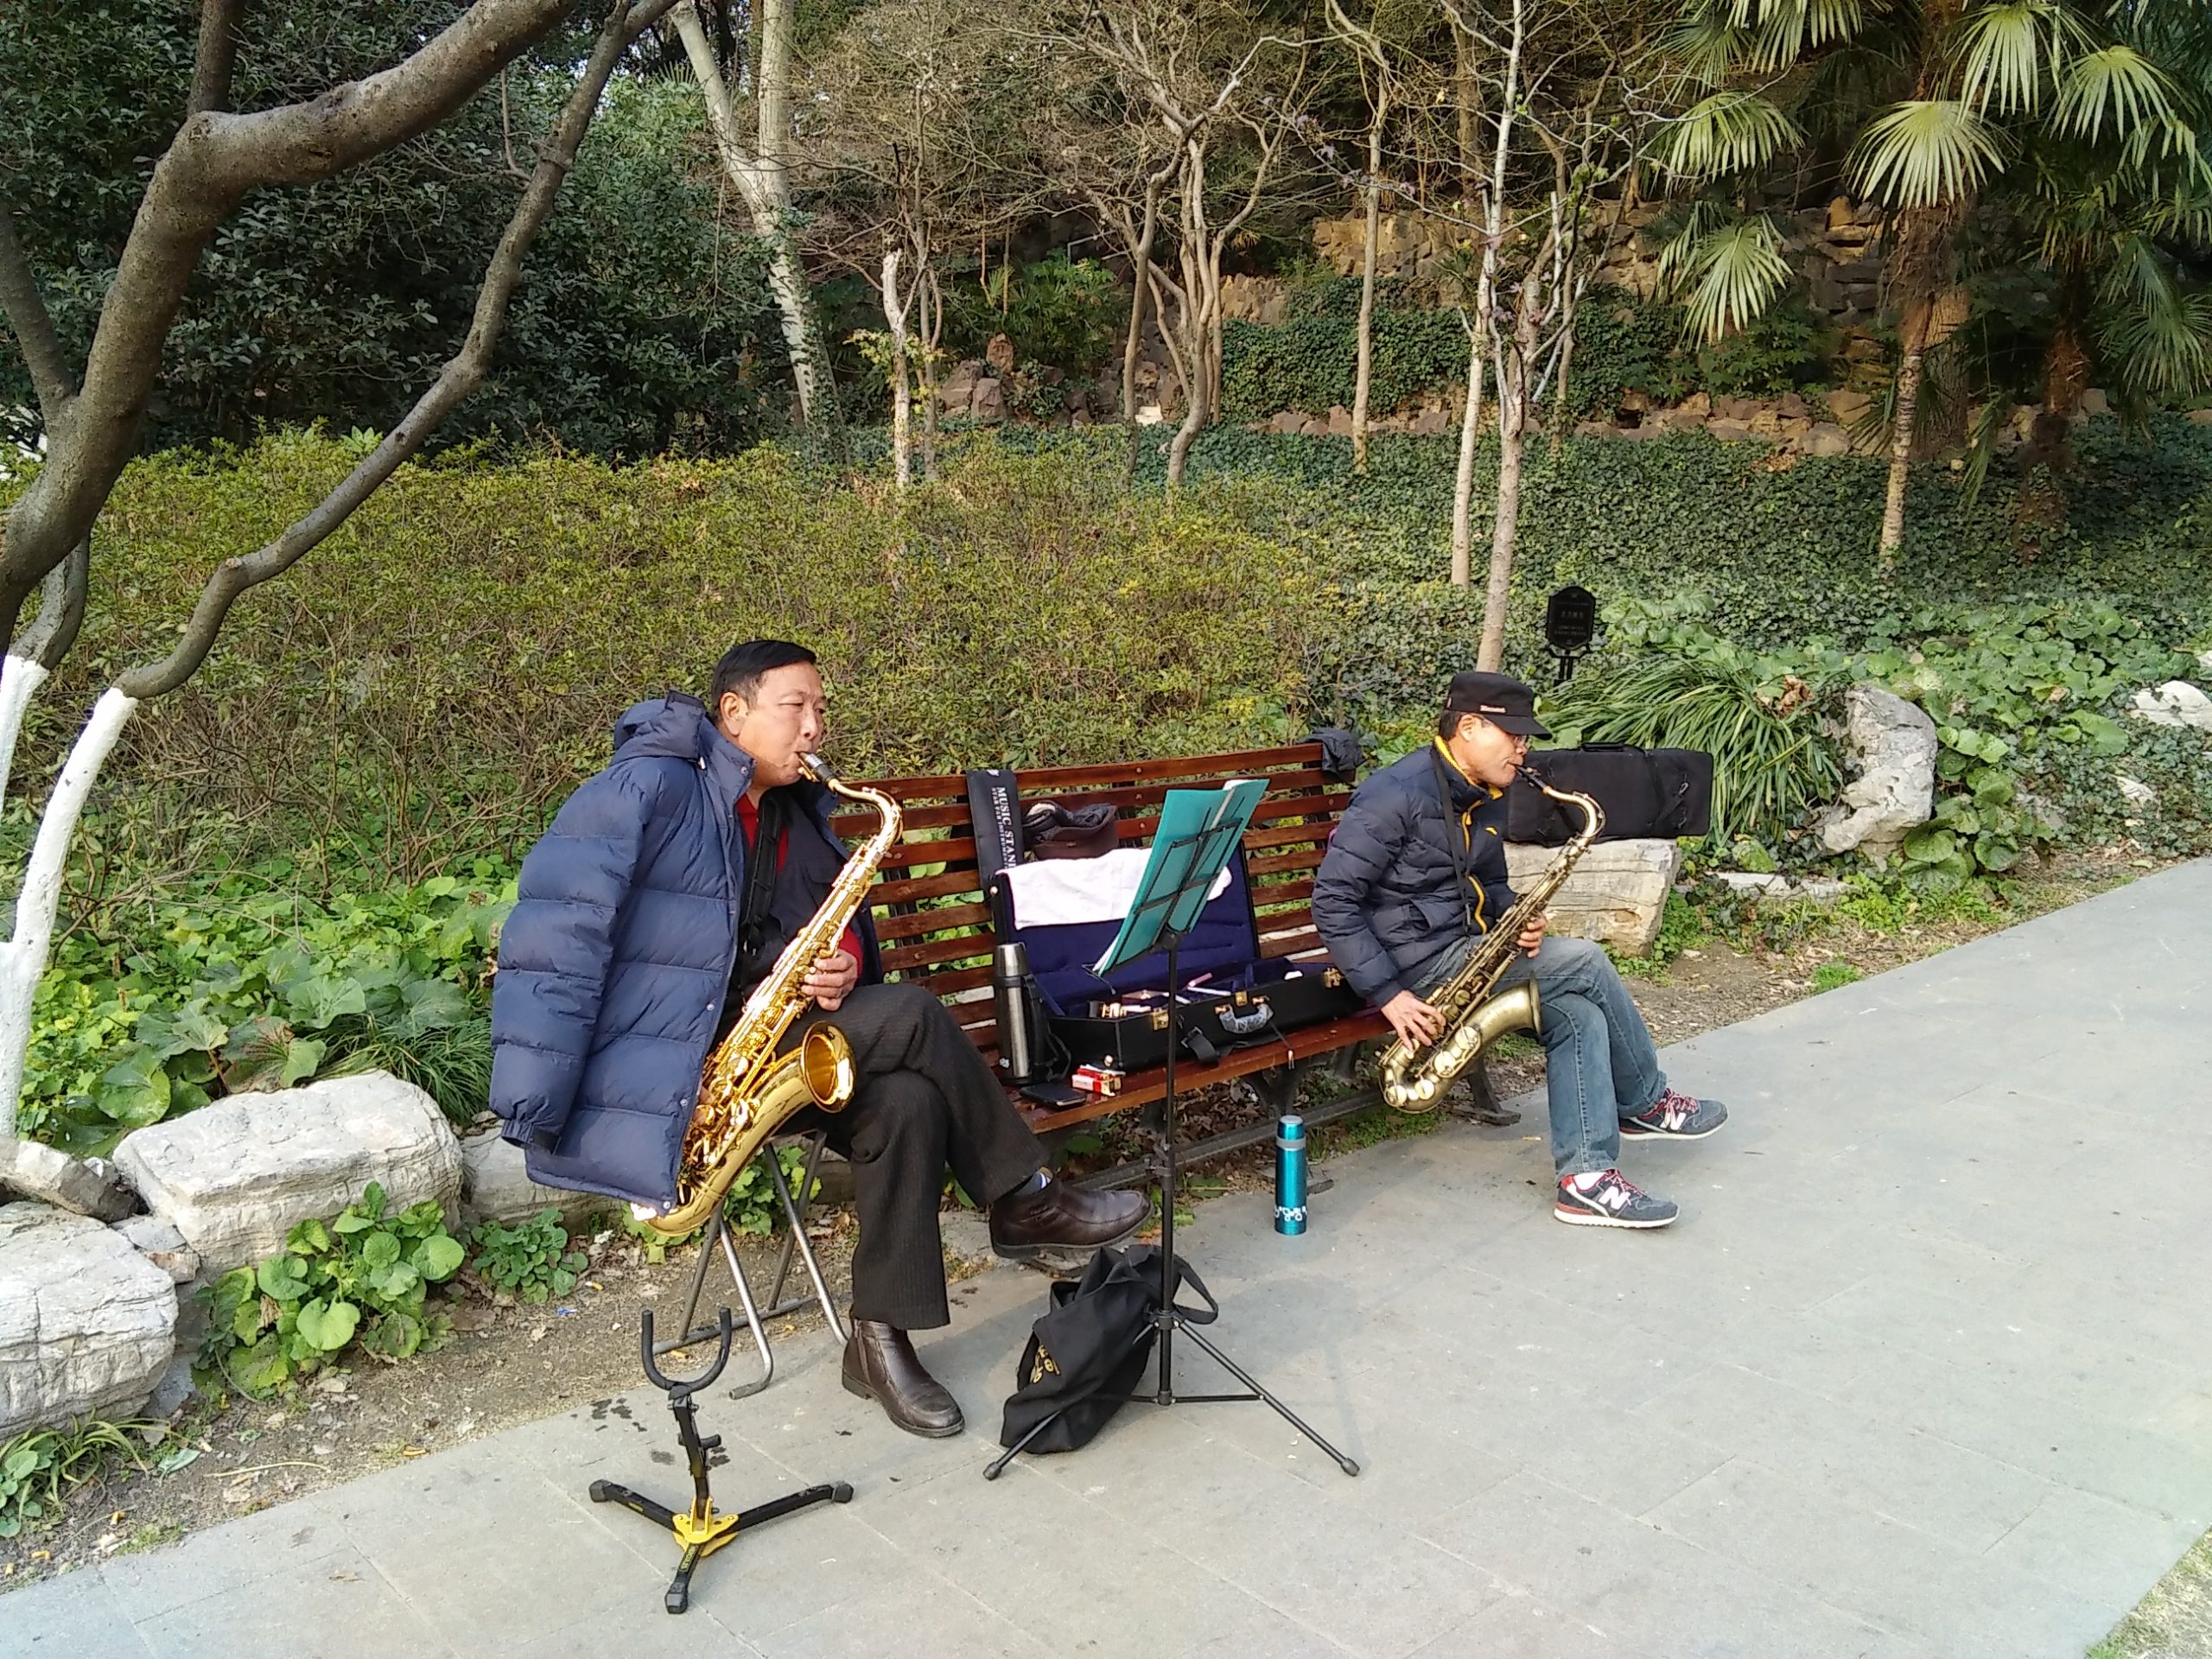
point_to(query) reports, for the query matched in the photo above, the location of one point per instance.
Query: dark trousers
(923, 1101)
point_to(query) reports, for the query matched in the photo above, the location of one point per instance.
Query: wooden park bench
(935, 926)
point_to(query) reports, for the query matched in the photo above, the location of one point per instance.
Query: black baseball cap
(1504, 702)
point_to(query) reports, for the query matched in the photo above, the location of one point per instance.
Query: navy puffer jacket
(615, 962)
(1388, 898)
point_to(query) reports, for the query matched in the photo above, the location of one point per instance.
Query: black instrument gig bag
(1086, 1353)
(1644, 793)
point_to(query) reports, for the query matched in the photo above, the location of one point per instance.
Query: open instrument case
(1232, 996)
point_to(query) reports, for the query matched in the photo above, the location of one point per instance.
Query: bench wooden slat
(931, 921)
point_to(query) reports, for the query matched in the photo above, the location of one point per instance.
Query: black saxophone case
(1644, 793)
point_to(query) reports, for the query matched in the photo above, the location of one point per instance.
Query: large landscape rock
(1895, 745)
(2175, 703)
(30, 1170)
(1615, 895)
(495, 1186)
(235, 1176)
(87, 1322)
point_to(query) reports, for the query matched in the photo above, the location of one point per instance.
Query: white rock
(1617, 894)
(1751, 881)
(2204, 657)
(82, 1186)
(495, 1186)
(86, 1324)
(2134, 789)
(1894, 744)
(2175, 703)
(160, 1243)
(236, 1177)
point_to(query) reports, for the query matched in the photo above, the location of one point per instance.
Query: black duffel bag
(1087, 1353)
(1660, 793)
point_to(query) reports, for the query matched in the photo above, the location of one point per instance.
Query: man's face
(1487, 754)
(785, 718)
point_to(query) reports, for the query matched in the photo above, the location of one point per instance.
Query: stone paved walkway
(1926, 1370)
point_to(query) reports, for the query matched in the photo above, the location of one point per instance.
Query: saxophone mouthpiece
(815, 767)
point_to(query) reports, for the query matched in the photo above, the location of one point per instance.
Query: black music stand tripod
(1178, 898)
(699, 1530)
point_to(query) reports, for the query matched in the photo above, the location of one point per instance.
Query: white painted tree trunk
(22, 959)
(20, 679)
(1463, 487)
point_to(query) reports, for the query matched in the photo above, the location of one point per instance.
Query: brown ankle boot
(880, 1364)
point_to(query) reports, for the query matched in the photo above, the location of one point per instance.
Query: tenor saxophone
(747, 1090)
(1415, 1079)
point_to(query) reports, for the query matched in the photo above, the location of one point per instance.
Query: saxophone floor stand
(699, 1531)
(1168, 1319)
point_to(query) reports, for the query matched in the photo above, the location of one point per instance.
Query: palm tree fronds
(1724, 132)
(2005, 49)
(2115, 85)
(1925, 152)
(1731, 274)
(2156, 329)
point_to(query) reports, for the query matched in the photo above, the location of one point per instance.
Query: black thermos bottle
(1019, 1044)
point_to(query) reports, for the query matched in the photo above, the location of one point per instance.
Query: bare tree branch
(25, 309)
(213, 162)
(462, 374)
(216, 55)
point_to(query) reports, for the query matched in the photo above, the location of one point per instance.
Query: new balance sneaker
(1675, 1116)
(1610, 1200)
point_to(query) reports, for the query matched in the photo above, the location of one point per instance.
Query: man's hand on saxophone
(1532, 936)
(1417, 1023)
(834, 975)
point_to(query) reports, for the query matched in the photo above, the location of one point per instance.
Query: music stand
(1172, 893)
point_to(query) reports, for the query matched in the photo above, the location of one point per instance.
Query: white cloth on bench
(1058, 892)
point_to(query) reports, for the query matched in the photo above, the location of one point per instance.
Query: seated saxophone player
(664, 890)
(1413, 881)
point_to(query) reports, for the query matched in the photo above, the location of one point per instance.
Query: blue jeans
(1599, 1065)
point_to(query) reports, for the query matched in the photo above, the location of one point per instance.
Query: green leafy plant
(362, 1276)
(530, 1260)
(244, 986)
(38, 1465)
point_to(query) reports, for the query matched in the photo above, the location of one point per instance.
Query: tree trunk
(1133, 346)
(931, 329)
(22, 959)
(1512, 432)
(1363, 374)
(1463, 487)
(1902, 426)
(762, 183)
(902, 432)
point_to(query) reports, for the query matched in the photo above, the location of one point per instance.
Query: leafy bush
(153, 1008)
(362, 1276)
(38, 1466)
(531, 1260)
(1308, 362)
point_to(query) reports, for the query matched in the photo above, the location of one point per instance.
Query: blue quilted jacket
(1387, 899)
(615, 962)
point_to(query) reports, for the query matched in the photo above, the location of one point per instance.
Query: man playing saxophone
(1414, 877)
(665, 891)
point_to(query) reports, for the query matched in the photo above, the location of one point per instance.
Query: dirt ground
(503, 1365)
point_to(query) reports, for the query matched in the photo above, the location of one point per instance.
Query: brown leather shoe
(880, 1364)
(1057, 1216)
